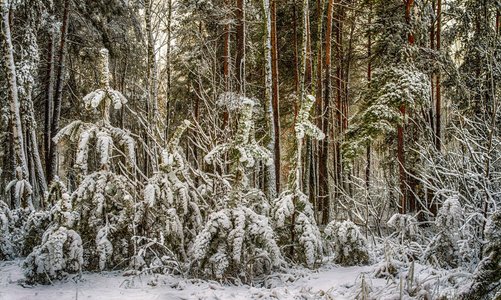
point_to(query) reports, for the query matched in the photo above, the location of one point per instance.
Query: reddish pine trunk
(226, 61)
(275, 103)
(438, 95)
(240, 44)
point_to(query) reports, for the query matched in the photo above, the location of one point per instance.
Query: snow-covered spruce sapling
(59, 254)
(444, 249)
(348, 243)
(292, 212)
(12, 231)
(22, 190)
(487, 277)
(408, 237)
(101, 209)
(237, 242)
(171, 205)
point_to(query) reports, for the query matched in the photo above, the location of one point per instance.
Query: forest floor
(327, 282)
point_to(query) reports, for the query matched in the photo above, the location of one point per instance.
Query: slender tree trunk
(272, 172)
(274, 73)
(296, 66)
(169, 83)
(240, 29)
(324, 149)
(17, 130)
(49, 91)
(59, 92)
(226, 61)
(400, 128)
(369, 78)
(152, 64)
(438, 125)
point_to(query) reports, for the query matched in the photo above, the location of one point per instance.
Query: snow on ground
(329, 280)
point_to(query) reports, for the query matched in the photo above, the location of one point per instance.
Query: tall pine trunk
(59, 93)
(275, 95)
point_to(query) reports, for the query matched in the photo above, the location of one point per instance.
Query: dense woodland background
(235, 135)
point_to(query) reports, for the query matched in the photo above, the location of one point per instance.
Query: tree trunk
(437, 84)
(400, 128)
(49, 91)
(152, 64)
(59, 92)
(226, 61)
(17, 130)
(324, 144)
(275, 102)
(272, 172)
(240, 61)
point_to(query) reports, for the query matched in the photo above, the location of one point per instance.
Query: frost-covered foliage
(102, 211)
(444, 249)
(243, 150)
(349, 245)
(487, 280)
(105, 95)
(22, 190)
(12, 233)
(304, 233)
(390, 89)
(408, 246)
(172, 215)
(235, 243)
(107, 139)
(292, 212)
(59, 254)
(303, 124)
(106, 136)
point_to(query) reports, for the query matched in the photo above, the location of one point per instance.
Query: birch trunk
(17, 130)
(272, 191)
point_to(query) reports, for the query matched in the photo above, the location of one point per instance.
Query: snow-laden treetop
(105, 94)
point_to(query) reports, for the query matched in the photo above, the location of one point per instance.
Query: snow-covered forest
(250, 149)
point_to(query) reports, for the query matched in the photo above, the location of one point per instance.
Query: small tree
(292, 212)
(236, 241)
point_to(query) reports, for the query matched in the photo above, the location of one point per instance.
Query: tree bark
(239, 60)
(272, 172)
(49, 91)
(17, 130)
(152, 64)
(59, 92)
(226, 61)
(324, 144)
(438, 125)
(274, 73)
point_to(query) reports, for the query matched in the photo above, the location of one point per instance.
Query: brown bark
(369, 77)
(49, 91)
(400, 128)
(324, 144)
(275, 102)
(240, 44)
(438, 126)
(296, 65)
(59, 91)
(226, 61)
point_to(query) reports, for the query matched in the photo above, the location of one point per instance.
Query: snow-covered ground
(328, 282)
